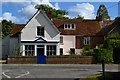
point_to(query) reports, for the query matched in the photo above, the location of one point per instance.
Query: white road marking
(23, 74)
(16, 76)
(6, 75)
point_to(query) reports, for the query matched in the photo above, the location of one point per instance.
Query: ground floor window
(51, 50)
(29, 50)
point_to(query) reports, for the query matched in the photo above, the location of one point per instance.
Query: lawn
(108, 76)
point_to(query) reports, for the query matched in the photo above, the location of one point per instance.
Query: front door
(40, 50)
(41, 59)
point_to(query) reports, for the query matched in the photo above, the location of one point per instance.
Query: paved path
(52, 71)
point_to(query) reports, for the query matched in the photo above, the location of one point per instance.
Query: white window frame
(30, 50)
(86, 40)
(61, 39)
(37, 31)
(51, 50)
(70, 27)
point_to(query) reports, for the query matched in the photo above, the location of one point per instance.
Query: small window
(51, 50)
(86, 40)
(40, 31)
(69, 26)
(29, 50)
(61, 51)
(73, 26)
(61, 39)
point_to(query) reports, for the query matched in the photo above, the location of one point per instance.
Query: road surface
(53, 71)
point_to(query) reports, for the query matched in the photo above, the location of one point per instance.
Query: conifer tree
(102, 13)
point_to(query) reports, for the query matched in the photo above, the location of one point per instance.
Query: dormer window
(69, 26)
(40, 31)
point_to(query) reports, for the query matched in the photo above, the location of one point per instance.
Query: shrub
(103, 54)
(87, 53)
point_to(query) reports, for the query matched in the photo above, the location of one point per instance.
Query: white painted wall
(68, 42)
(29, 33)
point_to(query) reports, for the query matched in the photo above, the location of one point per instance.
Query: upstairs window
(69, 26)
(40, 31)
(86, 40)
(61, 39)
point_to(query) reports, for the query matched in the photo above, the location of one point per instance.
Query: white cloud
(84, 9)
(9, 16)
(0, 19)
(57, 6)
(29, 8)
(27, 11)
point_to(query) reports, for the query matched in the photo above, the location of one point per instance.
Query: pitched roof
(83, 27)
(16, 29)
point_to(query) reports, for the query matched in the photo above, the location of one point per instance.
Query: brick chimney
(50, 13)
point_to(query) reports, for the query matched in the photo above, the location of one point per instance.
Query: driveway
(74, 72)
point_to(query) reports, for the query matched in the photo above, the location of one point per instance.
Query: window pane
(73, 26)
(51, 50)
(65, 26)
(68, 26)
(61, 39)
(29, 50)
(86, 40)
(40, 31)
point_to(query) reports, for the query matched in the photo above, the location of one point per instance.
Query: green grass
(93, 77)
(108, 76)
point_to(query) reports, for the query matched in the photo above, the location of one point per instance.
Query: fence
(51, 60)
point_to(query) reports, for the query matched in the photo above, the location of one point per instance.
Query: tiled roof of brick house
(83, 27)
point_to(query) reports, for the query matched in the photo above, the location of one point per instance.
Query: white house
(38, 37)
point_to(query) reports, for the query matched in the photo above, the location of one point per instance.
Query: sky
(20, 11)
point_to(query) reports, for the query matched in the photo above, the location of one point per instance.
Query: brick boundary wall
(52, 60)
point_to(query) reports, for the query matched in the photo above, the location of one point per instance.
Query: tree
(79, 17)
(59, 14)
(6, 27)
(117, 21)
(102, 13)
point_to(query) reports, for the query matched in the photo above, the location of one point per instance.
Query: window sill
(40, 36)
(61, 43)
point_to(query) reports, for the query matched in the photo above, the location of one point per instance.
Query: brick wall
(52, 60)
(94, 41)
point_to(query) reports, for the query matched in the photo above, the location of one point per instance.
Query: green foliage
(86, 51)
(6, 27)
(103, 54)
(102, 13)
(79, 17)
(70, 53)
(114, 40)
(59, 14)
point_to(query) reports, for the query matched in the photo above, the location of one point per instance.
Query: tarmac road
(75, 72)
